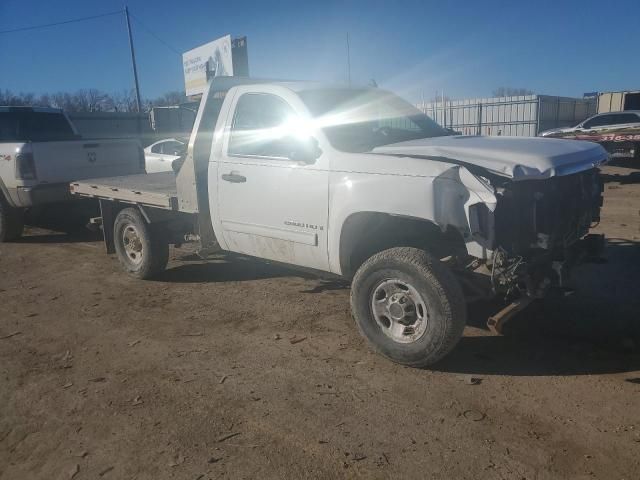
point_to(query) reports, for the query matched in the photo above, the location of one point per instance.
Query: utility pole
(133, 59)
(348, 61)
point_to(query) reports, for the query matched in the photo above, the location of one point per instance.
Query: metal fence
(525, 115)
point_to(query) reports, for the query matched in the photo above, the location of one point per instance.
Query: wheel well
(173, 226)
(366, 233)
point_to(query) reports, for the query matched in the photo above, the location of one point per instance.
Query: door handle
(234, 177)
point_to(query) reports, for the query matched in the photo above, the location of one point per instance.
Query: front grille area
(547, 214)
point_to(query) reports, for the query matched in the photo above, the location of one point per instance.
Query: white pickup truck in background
(41, 152)
(358, 183)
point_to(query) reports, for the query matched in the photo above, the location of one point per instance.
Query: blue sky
(468, 48)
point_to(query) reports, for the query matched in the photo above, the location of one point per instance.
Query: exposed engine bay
(547, 214)
(540, 231)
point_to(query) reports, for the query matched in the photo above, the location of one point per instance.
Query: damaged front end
(538, 230)
(522, 208)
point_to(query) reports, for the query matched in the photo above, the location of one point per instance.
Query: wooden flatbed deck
(153, 189)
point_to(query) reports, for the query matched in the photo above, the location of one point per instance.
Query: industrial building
(618, 101)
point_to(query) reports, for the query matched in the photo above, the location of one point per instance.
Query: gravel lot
(246, 370)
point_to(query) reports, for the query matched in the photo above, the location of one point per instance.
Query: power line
(91, 17)
(133, 58)
(160, 39)
(46, 25)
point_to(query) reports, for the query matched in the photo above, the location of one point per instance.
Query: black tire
(154, 250)
(438, 290)
(11, 222)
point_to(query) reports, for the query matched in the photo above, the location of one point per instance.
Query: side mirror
(305, 151)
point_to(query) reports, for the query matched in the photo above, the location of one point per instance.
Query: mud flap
(108, 218)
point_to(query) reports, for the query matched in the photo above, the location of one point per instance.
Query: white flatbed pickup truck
(41, 152)
(358, 183)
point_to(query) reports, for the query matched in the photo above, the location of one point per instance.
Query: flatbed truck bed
(156, 190)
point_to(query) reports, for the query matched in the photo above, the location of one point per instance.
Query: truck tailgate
(58, 162)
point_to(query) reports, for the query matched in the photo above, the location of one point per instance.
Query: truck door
(272, 204)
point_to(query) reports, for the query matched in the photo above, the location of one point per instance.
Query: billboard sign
(213, 57)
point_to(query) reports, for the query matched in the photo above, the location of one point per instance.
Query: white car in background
(160, 155)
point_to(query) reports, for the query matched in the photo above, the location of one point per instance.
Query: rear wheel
(11, 222)
(141, 249)
(408, 306)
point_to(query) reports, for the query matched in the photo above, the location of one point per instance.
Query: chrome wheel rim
(132, 244)
(399, 310)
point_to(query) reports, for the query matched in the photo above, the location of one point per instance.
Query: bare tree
(64, 101)
(511, 92)
(16, 99)
(5, 97)
(90, 100)
(170, 98)
(44, 100)
(124, 101)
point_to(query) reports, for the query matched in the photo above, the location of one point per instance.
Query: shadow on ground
(61, 223)
(222, 268)
(631, 178)
(230, 267)
(36, 236)
(596, 330)
(624, 162)
(627, 178)
(325, 285)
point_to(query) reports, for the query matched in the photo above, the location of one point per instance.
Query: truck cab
(356, 182)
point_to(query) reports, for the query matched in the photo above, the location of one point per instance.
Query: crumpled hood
(520, 158)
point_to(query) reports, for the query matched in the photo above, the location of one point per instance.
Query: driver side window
(257, 128)
(172, 148)
(157, 148)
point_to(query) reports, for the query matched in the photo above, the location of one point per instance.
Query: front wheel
(142, 251)
(408, 306)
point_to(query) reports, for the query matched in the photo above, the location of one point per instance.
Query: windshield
(25, 126)
(359, 120)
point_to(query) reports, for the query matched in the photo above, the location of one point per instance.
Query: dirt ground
(239, 369)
